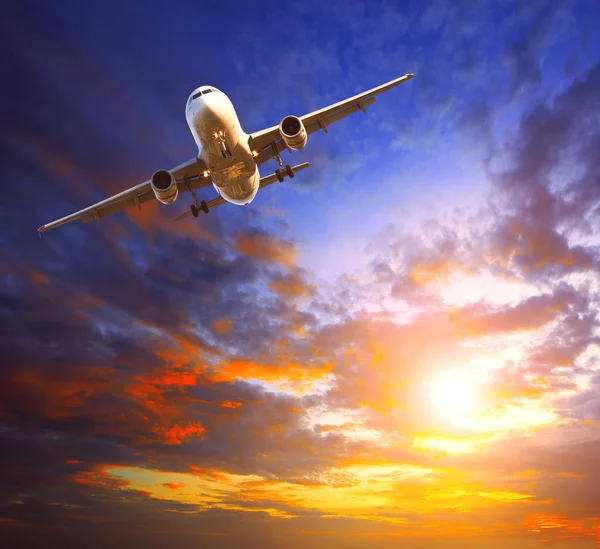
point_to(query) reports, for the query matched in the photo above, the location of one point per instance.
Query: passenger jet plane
(228, 158)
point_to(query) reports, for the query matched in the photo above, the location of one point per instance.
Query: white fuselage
(222, 145)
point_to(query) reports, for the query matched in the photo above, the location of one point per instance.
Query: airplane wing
(188, 174)
(267, 143)
(264, 182)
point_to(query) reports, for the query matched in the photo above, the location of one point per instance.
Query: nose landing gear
(220, 137)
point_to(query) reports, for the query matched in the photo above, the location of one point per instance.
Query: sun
(456, 398)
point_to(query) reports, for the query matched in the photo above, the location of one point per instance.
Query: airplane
(228, 158)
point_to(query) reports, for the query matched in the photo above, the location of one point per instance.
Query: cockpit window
(202, 92)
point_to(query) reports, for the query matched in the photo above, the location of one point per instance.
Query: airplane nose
(205, 106)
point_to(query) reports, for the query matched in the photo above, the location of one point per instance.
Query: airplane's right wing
(267, 143)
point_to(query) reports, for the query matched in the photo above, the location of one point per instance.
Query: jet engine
(293, 132)
(164, 186)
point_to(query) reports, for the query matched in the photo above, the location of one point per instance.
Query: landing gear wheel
(279, 175)
(228, 151)
(223, 154)
(289, 171)
(194, 210)
(204, 206)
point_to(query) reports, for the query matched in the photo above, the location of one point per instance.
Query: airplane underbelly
(223, 146)
(237, 183)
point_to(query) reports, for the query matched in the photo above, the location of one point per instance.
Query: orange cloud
(173, 377)
(38, 278)
(262, 247)
(84, 301)
(559, 527)
(222, 326)
(229, 404)
(569, 475)
(189, 344)
(58, 397)
(149, 390)
(206, 472)
(177, 434)
(243, 369)
(155, 217)
(425, 272)
(174, 485)
(291, 286)
(173, 356)
(99, 477)
(262, 483)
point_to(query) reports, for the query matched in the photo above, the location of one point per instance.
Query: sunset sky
(397, 349)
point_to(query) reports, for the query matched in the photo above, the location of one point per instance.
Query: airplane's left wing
(189, 174)
(267, 143)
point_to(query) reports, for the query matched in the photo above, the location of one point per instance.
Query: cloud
(263, 247)
(530, 313)
(179, 433)
(536, 235)
(222, 326)
(162, 381)
(291, 286)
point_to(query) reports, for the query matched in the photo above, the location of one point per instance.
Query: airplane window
(207, 91)
(196, 95)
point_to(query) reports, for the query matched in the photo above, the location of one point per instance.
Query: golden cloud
(262, 247)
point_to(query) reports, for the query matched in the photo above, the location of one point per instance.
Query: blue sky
(398, 346)
(478, 68)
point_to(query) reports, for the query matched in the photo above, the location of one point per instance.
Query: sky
(398, 348)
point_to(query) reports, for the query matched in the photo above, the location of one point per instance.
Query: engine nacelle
(293, 132)
(164, 187)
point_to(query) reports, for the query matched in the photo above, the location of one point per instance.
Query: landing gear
(220, 137)
(283, 170)
(197, 208)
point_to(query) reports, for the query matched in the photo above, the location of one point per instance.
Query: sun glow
(445, 444)
(455, 398)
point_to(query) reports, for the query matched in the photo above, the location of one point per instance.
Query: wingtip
(42, 228)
